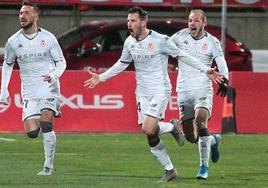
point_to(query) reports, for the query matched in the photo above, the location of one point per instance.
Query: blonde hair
(204, 16)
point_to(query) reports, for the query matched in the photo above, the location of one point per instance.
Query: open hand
(93, 81)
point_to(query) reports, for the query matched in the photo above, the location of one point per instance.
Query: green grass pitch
(124, 161)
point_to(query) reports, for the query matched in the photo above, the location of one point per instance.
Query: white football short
(189, 101)
(33, 108)
(154, 106)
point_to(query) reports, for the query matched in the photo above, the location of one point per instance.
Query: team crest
(205, 47)
(150, 46)
(43, 43)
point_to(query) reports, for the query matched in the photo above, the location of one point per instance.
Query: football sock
(160, 153)
(204, 149)
(165, 127)
(49, 140)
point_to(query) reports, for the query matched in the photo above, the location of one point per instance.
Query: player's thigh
(186, 106)
(203, 103)
(30, 115)
(49, 108)
(153, 106)
(149, 125)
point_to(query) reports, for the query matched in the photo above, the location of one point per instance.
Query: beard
(138, 34)
(27, 25)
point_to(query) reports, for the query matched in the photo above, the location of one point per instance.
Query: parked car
(97, 45)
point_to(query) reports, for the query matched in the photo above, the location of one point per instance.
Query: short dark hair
(28, 3)
(142, 13)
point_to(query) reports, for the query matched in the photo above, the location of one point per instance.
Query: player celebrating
(150, 50)
(41, 63)
(195, 91)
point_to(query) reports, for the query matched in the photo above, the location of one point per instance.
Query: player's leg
(151, 128)
(49, 108)
(49, 141)
(203, 107)
(187, 114)
(30, 118)
(190, 131)
(203, 142)
(149, 116)
(173, 125)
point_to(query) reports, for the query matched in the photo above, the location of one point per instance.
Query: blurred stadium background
(96, 163)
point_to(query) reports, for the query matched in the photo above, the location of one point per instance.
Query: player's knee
(33, 134)
(151, 132)
(46, 126)
(153, 140)
(203, 132)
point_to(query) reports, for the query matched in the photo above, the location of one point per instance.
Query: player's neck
(144, 34)
(31, 30)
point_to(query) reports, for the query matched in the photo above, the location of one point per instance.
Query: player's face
(27, 17)
(196, 24)
(135, 25)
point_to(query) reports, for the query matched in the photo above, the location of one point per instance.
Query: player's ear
(36, 17)
(144, 23)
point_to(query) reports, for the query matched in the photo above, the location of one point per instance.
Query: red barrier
(110, 107)
(251, 101)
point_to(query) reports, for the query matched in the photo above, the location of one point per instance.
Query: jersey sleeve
(175, 38)
(222, 66)
(126, 56)
(10, 55)
(57, 55)
(218, 55)
(171, 49)
(6, 76)
(217, 49)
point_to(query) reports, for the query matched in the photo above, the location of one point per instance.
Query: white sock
(49, 140)
(204, 150)
(165, 127)
(212, 139)
(160, 153)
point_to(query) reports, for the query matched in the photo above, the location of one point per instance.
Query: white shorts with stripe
(33, 107)
(189, 101)
(154, 106)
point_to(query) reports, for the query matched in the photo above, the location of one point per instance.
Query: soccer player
(194, 89)
(41, 63)
(150, 50)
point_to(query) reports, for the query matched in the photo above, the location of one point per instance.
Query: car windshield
(69, 37)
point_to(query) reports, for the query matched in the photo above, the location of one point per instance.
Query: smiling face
(136, 26)
(197, 23)
(28, 17)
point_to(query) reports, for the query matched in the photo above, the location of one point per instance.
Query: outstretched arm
(223, 69)
(95, 79)
(214, 75)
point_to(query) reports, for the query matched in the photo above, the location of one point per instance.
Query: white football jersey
(37, 55)
(150, 57)
(205, 50)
